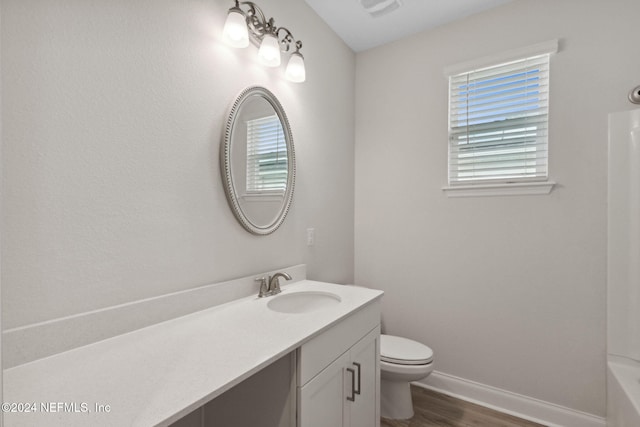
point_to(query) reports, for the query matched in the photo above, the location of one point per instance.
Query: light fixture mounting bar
(259, 26)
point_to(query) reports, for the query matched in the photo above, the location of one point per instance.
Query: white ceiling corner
(360, 31)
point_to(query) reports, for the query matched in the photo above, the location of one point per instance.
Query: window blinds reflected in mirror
(266, 156)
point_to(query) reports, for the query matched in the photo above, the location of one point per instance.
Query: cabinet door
(321, 400)
(364, 410)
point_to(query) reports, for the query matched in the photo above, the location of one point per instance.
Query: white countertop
(155, 375)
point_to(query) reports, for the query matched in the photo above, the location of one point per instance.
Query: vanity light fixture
(246, 22)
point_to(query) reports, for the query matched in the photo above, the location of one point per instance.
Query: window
(498, 118)
(266, 156)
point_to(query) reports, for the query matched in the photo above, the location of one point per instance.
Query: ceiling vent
(377, 8)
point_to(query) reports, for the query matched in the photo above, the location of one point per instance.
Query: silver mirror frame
(225, 162)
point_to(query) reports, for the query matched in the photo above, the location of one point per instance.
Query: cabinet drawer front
(321, 350)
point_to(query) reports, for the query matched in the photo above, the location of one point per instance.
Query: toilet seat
(403, 351)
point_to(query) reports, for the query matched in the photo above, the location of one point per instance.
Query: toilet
(401, 361)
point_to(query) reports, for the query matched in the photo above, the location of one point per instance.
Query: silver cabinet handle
(359, 378)
(353, 385)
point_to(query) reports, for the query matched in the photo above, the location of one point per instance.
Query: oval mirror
(258, 161)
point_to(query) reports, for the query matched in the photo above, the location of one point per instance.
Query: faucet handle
(263, 286)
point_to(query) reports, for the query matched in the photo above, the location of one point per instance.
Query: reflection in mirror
(257, 161)
(259, 153)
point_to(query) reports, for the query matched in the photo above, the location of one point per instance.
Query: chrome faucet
(272, 285)
(274, 282)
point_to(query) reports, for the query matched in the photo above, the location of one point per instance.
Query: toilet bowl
(401, 361)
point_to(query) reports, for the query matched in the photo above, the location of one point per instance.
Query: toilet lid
(403, 351)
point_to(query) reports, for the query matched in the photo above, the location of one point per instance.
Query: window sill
(263, 197)
(506, 189)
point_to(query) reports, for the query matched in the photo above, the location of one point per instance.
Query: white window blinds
(498, 122)
(266, 156)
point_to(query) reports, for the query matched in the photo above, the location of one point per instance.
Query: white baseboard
(518, 405)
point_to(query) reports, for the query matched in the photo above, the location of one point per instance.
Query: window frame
(497, 186)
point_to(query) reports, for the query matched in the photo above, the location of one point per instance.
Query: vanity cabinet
(339, 375)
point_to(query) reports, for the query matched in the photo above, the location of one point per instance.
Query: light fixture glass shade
(269, 52)
(235, 29)
(295, 68)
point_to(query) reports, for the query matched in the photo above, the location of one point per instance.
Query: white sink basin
(303, 302)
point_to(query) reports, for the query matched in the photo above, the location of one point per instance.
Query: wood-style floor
(435, 409)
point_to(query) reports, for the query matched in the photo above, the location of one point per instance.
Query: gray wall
(508, 291)
(111, 184)
(111, 188)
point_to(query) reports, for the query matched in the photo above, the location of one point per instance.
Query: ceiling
(361, 31)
